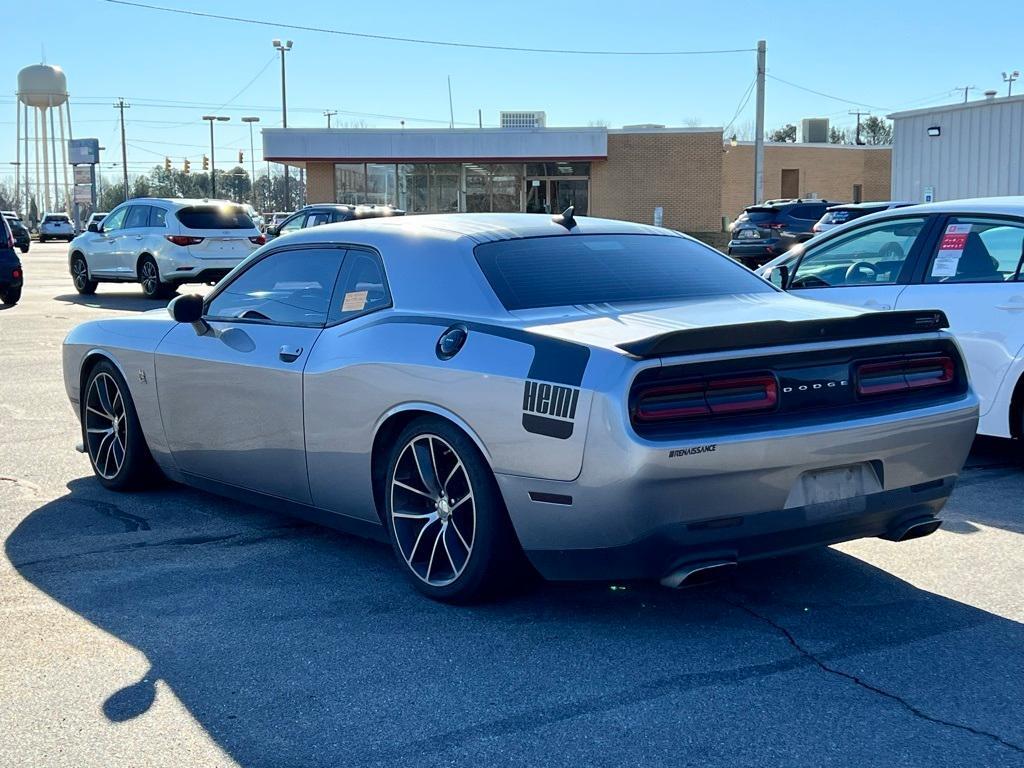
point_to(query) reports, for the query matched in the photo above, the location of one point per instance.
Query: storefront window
(445, 181)
(350, 183)
(572, 168)
(478, 196)
(381, 184)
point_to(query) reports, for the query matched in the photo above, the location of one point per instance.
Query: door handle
(872, 304)
(138, 237)
(1014, 304)
(289, 354)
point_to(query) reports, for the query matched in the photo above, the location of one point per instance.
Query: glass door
(537, 196)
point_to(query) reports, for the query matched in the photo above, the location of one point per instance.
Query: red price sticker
(953, 242)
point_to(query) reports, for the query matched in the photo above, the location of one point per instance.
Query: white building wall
(979, 153)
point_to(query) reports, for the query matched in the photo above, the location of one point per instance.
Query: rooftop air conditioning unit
(523, 119)
(814, 130)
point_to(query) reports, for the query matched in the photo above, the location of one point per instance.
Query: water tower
(43, 89)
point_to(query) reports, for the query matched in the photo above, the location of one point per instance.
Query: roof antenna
(565, 218)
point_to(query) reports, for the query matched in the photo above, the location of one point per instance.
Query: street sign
(83, 174)
(83, 193)
(83, 151)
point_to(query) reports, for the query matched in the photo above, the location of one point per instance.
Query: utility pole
(213, 173)
(759, 126)
(451, 109)
(966, 89)
(252, 156)
(329, 113)
(121, 106)
(284, 48)
(858, 113)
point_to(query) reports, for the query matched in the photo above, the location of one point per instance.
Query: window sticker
(354, 301)
(951, 248)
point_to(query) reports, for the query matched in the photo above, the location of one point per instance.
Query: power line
(421, 41)
(811, 90)
(744, 100)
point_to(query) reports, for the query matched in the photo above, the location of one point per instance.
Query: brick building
(684, 177)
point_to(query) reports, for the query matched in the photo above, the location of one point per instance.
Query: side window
(114, 220)
(293, 224)
(138, 216)
(362, 287)
(341, 216)
(317, 218)
(289, 287)
(806, 212)
(977, 250)
(157, 217)
(870, 255)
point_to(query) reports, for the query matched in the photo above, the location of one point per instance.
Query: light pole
(329, 113)
(213, 174)
(1008, 78)
(252, 155)
(284, 47)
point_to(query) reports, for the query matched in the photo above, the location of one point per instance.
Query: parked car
(962, 257)
(756, 235)
(256, 216)
(22, 238)
(56, 226)
(94, 218)
(841, 214)
(614, 400)
(162, 244)
(328, 213)
(274, 219)
(11, 275)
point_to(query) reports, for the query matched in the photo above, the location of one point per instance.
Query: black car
(10, 267)
(757, 233)
(20, 232)
(330, 213)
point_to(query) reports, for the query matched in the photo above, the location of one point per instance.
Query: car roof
(182, 202)
(880, 204)
(1010, 205)
(476, 227)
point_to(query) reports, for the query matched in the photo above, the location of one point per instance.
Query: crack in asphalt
(917, 712)
(131, 522)
(184, 541)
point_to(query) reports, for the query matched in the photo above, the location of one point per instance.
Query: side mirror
(94, 227)
(271, 231)
(778, 276)
(189, 309)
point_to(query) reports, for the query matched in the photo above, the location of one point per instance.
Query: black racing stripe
(541, 425)
(554, 360)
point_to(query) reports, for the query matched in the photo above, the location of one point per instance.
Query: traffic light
(186, 167)
(241, 157)
(167, 164)
(206, 163)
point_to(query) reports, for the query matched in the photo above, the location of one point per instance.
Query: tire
(149, 278)
(42, 239)
(80, 275)
(111, 432)
(447, 523)
(11, 296)
(24, 248)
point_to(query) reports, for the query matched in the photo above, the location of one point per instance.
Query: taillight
(904, 374)
(259, 239)
(775, 225)
(719, 396)
(16, 273)
(184, 239)
(816, 228)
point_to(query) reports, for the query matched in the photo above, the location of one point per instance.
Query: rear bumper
(639, 507)
(754, 254)
(746, 537)
(198, 275)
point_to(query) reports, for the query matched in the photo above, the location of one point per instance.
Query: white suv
(162, 244)
(56, 226)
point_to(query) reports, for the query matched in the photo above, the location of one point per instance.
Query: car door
(130, 242)
(867, 266)
(102, 245)
(231, 396)
(972, 273)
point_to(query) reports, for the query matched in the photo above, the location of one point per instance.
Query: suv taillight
(904, 374)
(717, 396)
(184, 239)
(775, 225)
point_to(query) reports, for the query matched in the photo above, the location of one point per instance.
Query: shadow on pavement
(294, 645)
(126, 301)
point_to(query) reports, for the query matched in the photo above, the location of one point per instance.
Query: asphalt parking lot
(175, 628)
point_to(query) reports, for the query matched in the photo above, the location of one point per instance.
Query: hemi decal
(549, 409)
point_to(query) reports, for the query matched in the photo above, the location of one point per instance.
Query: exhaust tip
(915, 529)
(695, 574)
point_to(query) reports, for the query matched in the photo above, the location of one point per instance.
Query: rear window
(55, 218)
(592, 269)
(215, 217)
(759, 215)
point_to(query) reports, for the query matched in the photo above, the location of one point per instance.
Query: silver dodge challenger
(588, 398)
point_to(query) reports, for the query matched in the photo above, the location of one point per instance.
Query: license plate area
(749, 234)
(835, 491)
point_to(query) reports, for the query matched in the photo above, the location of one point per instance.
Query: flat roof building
(682, 178)
(974, 149)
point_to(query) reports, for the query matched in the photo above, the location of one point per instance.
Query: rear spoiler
(773, 333)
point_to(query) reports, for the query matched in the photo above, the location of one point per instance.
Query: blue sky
(175, 68)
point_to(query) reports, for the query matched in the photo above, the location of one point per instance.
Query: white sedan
(960, 256)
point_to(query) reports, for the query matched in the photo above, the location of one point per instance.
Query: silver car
(162, 244)
(56, 226)
(609, 400)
